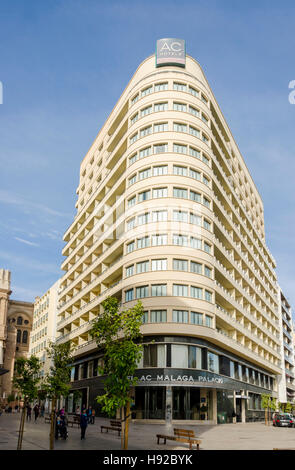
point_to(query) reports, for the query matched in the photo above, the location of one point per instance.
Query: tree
(57, 382)
(26, 383)
(268, 403)
(118, 334)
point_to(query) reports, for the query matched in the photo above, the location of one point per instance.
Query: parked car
(283, 419)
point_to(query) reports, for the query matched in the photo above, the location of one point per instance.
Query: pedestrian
(36, 411)
(29, 412)
(61, 412)
(83, 423)
(42, 411)
(92, 416)
(89, 414)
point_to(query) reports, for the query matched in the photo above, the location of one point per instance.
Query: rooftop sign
(170, 51)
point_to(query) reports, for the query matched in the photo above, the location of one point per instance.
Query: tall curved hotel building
(168, 213)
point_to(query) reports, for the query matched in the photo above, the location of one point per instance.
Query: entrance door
(239, 410)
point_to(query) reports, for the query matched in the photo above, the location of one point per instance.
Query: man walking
(83, 423)
(29, 412)
(36, 411)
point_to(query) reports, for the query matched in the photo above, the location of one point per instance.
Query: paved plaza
(249, 436)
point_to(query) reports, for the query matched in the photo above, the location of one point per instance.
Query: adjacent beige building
(287, 379)
(168, 213)
(15, 327)
(44, 326)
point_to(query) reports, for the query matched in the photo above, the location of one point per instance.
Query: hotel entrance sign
(170, 51)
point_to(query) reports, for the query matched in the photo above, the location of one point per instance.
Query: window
(160, 170)
(206, 202)
(134, 118)
(161, 107)
(143, 218)
(193, 91)
(178, 127)
(145, 111)
(133, 159)
(134, 138)
(128, 295)
(19, 321)
(208, 321)
(194, 357)
(25, 337)
(213, 362)
(205, 159)
(161, 86)
(132, 201)
(180, 316)
(196, 292)
(145, 131)
(159, 290)
(208, 271)
(179, 86)
(159, 264)
(180, 192)
(159, 240)
(143, 242)
(195, 219)
(206, 180)
(154, 355)
(180, 290)
(142, 292)
(194, 111)
(194, 131)
(204, 99)
(160, 192)
(207, 224)
(132, 180)
(207, 247)
(179, 107)
(196, 267)
(205, 119)
(144, 196)
(179, 356)
(133, 101)
(147, 91)
(130, 270)
(205, 139)
(160, 216)
(142, 267)
(158, 316)
(181, 240)
(179, 170)
(145, 317)
(131, 223)
(178, 148)
(145, 152)
(208, 296)
(194, 152)
(180, 264)
(130, 247)
(195, 196)
(161, 127)
(197, 318)
(160, 148)
(180, 216)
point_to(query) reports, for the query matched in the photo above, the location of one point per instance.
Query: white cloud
(26, 241)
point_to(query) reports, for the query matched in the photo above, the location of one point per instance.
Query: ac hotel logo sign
(170, 51)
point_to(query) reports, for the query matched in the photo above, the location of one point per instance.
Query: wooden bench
(182, 435)
(114, 426)
(75, 421)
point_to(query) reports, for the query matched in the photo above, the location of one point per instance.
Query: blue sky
(64, 64)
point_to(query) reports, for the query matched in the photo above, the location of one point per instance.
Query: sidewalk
(249, 436)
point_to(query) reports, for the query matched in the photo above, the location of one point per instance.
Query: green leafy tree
(57, 382)
(266, 403)
(118, 334)
(26, 383)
